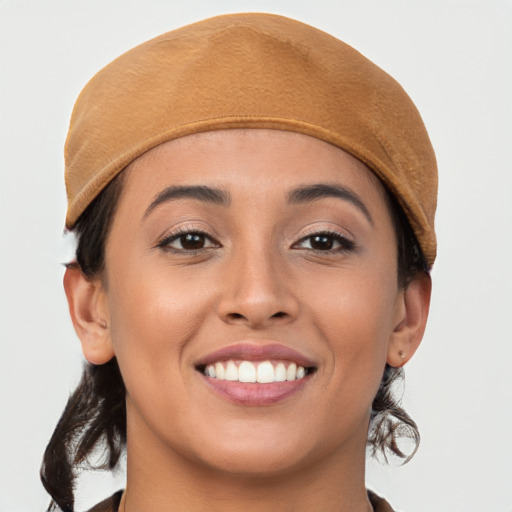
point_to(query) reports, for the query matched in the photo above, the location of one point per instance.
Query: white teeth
(265, 372)
(247, 371)
(219, 370)
(280, 373)
(291, 372)
(231, 371)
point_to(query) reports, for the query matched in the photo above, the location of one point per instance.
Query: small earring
(402, 354)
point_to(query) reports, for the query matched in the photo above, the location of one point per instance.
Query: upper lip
(251, 351)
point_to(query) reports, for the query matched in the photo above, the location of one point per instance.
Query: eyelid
(172, 235)
(346, 242)
(324, 228)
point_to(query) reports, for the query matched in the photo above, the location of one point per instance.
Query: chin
(259, 449)
(255, 462)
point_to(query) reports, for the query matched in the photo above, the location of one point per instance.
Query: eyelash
(166, 242)
(345, 244)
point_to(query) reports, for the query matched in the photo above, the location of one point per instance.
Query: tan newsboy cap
(251, 71)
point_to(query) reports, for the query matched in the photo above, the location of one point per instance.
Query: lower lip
(255, 394)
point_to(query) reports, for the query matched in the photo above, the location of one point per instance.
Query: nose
(257, 292)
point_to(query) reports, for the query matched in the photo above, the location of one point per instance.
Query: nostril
(236, 316)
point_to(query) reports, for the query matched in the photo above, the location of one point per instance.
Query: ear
(411, 319)
(89, 314)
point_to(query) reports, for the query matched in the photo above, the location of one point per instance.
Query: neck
(161, 480)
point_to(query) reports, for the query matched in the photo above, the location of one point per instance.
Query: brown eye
(189, 241)
(326, 242)
(321, 242)
(192, 241)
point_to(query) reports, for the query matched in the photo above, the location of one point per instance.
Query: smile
(263, 372)
(256, 374)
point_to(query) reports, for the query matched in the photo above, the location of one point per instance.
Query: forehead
(260, 156)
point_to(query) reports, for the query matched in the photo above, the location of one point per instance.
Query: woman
(254, 205)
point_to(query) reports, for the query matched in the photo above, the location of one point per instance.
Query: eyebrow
(199, 192)
(317, 191)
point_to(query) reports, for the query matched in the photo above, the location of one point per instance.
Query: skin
(160, 309)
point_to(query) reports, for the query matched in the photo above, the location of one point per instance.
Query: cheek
(153, 321)
(355, 317)
(353, 303)
(153, 317)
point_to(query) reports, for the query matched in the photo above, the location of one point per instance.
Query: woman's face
(251, 254)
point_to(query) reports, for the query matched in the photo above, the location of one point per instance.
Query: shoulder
(379, 504)
(109, 505)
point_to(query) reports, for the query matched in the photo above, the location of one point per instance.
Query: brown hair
(95, 414)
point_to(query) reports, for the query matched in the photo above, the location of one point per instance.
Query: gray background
(454, 59)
